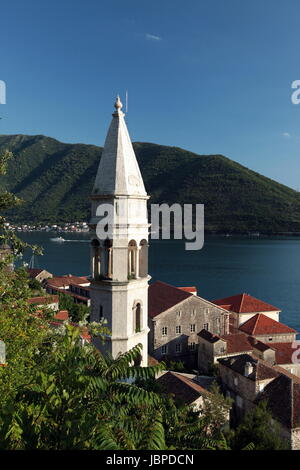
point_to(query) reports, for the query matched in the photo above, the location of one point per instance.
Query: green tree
(77, 312)
(35, 286)
(20, 329)
(259, 428)
(215, 411)
(80, 399)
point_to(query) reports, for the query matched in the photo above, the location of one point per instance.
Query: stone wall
(286, 338)
(192, 311)
(295, 439)
(209, 352)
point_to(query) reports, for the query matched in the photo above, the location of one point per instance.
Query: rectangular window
(101, 313)
(164, 349)
(206, 310)
(178, 313)
(205, 326)
(164, 331)
(192, 346)
(193, 312)
(193, 328)
(239, 401)
(177, 347)
(178, 329)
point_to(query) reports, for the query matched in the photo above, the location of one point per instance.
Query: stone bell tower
(119, 256)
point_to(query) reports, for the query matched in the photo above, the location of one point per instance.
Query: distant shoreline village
(83, 227)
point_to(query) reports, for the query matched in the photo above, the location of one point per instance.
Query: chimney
(248, 369)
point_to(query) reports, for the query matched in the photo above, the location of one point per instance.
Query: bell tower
(119, 247)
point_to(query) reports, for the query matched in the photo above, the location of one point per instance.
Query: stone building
(248, 380)
(175, 317)
(40, 275)
(184, 389)
(212, 347)
(76, 287)
(260, 335)
(119, 245)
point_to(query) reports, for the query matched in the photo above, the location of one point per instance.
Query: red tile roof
(62, 281)
(192, 290)
(260, 324)
(152, 361)
(43, 300)
(208, 336)
(163, 296)
(262, 370)
(33, 272)
(237, 343)
(244, 303)
(62, 315)
(283, 352)
(183, 388)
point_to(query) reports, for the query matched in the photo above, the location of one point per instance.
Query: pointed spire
(118, 171)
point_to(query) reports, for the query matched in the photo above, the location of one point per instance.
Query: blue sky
(211, 76)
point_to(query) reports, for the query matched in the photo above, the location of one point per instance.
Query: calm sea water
(265, 268)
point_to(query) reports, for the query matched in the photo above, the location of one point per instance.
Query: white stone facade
(119, 259)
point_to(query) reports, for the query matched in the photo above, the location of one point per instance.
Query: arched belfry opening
(108, 259)
(132, 259)
(143, 258)
(96, 258)
(137, 317)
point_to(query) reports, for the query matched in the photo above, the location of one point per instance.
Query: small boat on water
(58, 239)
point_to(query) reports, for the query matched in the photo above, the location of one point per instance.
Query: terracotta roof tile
(192, 289)
(261, 369)
(33, 272)
(163, 296)
(208, 336)
(182, 387)
(43, 300)
(244, 303)
(61, 281)
(152, 361)
(61, 315)
(237, 343)
(260, 324)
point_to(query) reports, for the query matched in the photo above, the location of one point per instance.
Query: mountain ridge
(55, 179)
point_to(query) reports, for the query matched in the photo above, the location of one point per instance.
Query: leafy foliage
(77, 312)
(259, 428)
(80, 399)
